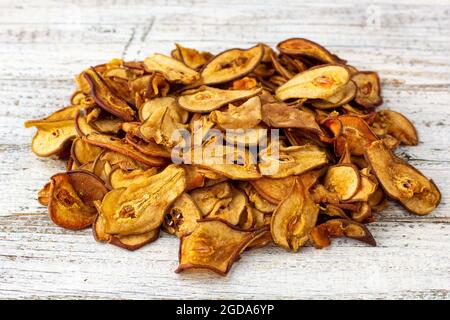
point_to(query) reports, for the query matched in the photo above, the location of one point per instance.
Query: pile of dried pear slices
(336, 165)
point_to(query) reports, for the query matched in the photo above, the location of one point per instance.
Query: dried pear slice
(258, 201)
(344, 180)
(210, 199)
(233, 211)
(273, 190)
(105, 98)
(71, 202)
(141, 207)
(67, 113)
(294, 218)
(388, 122)
(52, 137)
(119, 178)
(194, 59)
(342, 97)
(83, 152)
(368, 186)
(44, 194)
(245, 116)
(173, 70)
(148, 108)
(214, 245)
(207, 99)
(281, 115)
(368, 92)
(337, 228)
(149, 147)
(293, 160)
(136, 241)
(182, 217)
(401, 181)
(231, 65)
(316, 83)
(82, 126)
(363, 214)
(307, 48)
(118, 145)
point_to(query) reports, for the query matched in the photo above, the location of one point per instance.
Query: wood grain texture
(43, 44)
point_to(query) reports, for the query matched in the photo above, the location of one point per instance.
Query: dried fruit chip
(52, 137)
(307, 48)
(214, 245)
(182, 217)
(194, 59)
(388, 122)
(173, 70)
(344, 180)
(368, 92)
(245, 116)
(401, 181)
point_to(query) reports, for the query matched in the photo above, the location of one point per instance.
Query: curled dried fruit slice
(402, 181)
(307, 48)
(214, 245)
(71, 199)
(105, 98)
(289, 161)
(294, 218)
(83, 152)
(245, 116)
(120, 178)
(231, 64)
(316, 83)
(363, 214)
(345, 95)
(118, 145)
(44, 194)
(234, 210)
(273, 190)
(368, 92)
(281, 115)
(344, 180)
(67, 113)
(141, 207)
(194, 59)
(149, 147)
(258, 201)
(337, 228)
(148, 108)
(210, 199)
(52, 137)
(206, 99)
(182, 217)
(368, 186)
(173, 70)
(388, 122)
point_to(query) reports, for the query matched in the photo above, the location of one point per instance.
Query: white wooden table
(43, 44)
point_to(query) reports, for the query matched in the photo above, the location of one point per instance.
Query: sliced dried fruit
(120, 178)
(194, 59)
(207, 99)
(173, 70)
(294, 218)
(67, 113)
(141, 207)
(344, 180)
(273, 190)
(52, 137)
(82, 152)
(388, 122)
(307, 48)
(213, 245)
(345, 95)
(120, 146)
(245, 116)
(368, 92)
(231, 64)
(182, 217)
(71, 199)
(105, 98)
(401, 181)
(316, 83)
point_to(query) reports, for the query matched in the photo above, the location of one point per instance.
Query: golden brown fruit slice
(293, 160)
(193, 58)
(83, 152)
(344, 180)
(316, 83)
(182, 217)
(273, 190)
(281, 115)
(245, 116)
(44, 194)
(173, 70)
(368, 92)
(71, 202)
(119, 178)
(395, 124)
(67, 113)
(345, 95)
(337, 228)
(368, 186)
(294, 218)
(150, 147)
(308, 48)
(401, 181)
(206, 99)
(231, 64)
(141, 207)
(148, 108)
(52, 137)
(120, 146)
(214, 245)
(105, 98)
(233, 211)
(210, 199)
